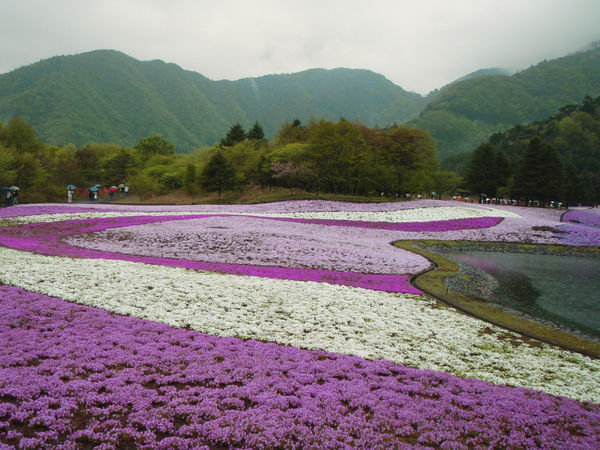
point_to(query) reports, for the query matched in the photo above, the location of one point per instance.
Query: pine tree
(219, 174)
(256, 132)
(235, 134)
(539, 173)
(482, 171)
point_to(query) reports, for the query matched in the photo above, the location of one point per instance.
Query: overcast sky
(419, 45)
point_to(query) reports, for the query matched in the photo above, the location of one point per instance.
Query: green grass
(433, 282)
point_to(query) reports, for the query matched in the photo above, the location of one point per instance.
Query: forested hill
(466, 113)
(108, 97)
(557, 158)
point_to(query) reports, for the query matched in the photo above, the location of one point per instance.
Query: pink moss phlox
(434, 226)
(587, 217)
(581, 227)
(72, 376)
(579, 235)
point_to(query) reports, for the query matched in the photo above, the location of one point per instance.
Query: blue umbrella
(93, 188)
(71, 186)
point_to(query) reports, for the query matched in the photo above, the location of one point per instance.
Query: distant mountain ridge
(465, 113)
(107, 96)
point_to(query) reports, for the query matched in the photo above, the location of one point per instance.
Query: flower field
(291, 324)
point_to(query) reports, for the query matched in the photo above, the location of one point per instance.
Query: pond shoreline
(511, 247)
(465, 288)
(474, 282)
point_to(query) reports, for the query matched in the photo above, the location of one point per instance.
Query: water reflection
(564, 290)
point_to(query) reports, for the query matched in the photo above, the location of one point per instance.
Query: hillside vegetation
(108, 97)
(466, 113)
(557, 158)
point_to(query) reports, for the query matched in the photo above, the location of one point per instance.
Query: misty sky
(419, 45)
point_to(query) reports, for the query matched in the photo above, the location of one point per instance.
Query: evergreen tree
(482, 172)
(219, 174)
(502, 170)
(256, 133)
(539, 173)
(235, 134)
(89, 166)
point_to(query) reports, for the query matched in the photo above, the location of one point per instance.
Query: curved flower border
(46, 238)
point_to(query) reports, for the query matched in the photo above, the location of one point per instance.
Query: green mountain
(106, 96)
(465, 113)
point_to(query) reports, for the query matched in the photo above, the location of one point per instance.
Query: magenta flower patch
(415, 227)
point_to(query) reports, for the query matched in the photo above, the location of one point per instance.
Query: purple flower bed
(582, 235)
(581, 227)
(587, 217)
(74, 376)
(46, 238)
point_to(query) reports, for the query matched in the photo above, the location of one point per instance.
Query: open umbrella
(113, 189)
(93, 188)
(121, 186)
(14, 188)
(71, 187)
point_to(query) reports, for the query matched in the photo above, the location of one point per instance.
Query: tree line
(321, 156)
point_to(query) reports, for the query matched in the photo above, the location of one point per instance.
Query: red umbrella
(112, 189)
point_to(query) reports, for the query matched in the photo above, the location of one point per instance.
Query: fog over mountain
(419, 45)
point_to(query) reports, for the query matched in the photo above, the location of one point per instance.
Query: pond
(564, 290)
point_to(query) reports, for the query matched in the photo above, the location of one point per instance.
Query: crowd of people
(98, 192)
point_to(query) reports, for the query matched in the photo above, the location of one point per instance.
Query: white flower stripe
(405, 215)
